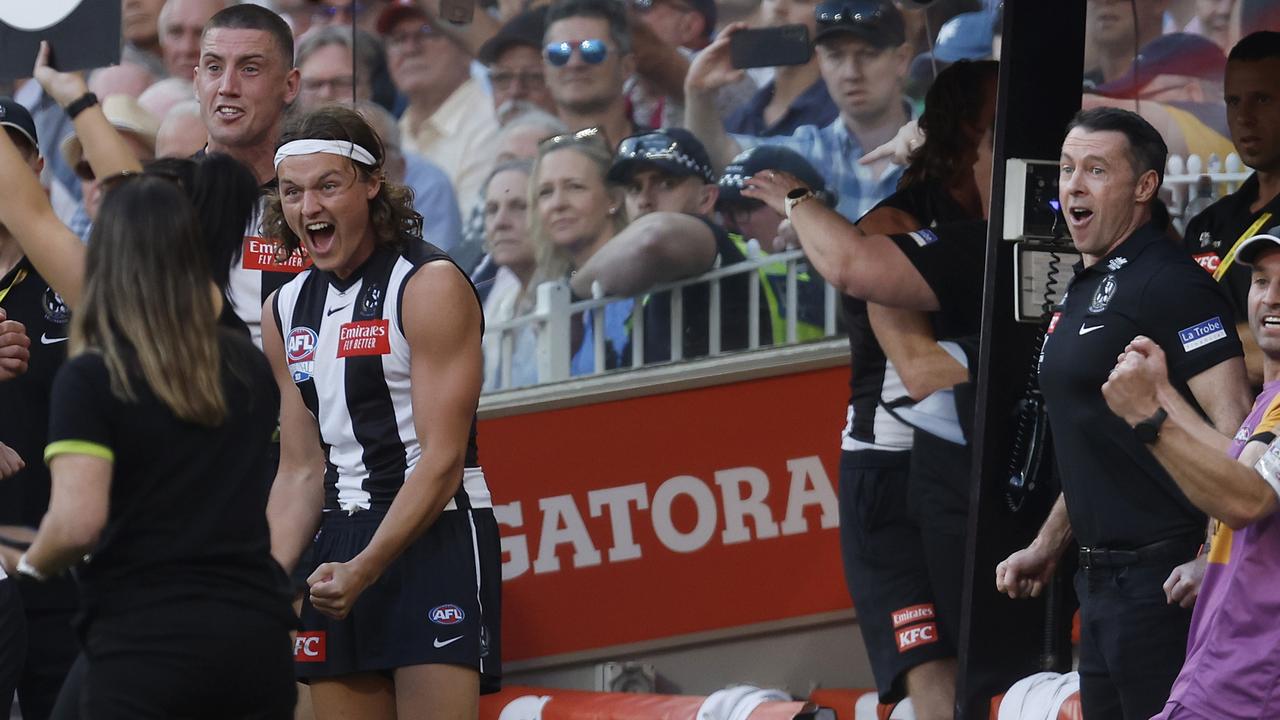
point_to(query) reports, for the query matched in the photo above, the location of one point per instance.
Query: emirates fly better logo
(34, 15)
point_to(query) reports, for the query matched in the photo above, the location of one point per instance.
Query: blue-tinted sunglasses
(593, 52)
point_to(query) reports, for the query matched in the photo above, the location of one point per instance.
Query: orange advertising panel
(655, 517)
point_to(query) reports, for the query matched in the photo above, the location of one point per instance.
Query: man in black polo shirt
(25, 297)
(1133, 524)
(1253, 117)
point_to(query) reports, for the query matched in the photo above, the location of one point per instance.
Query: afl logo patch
(55, 310)
(1102, 296)
(446, 615)
(300, 350)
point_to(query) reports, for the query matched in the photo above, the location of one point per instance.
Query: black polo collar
(1126, 252)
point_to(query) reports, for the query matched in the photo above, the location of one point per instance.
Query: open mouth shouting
(320, 237)
(1079, 217)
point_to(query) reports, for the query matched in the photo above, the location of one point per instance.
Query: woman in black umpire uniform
(159, 430)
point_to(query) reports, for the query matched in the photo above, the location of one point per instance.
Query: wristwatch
(797, 196)
(1148, 431)
(80, 104)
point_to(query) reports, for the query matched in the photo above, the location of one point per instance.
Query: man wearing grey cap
(863, 57)
(44, 612)
(1230, 667)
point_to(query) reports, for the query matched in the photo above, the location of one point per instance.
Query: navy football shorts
(438, 603)
(887, 570)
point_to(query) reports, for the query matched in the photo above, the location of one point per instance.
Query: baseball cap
(395, 12)
(125, 114)
(966, 36)
(13, 115)
(527, 28)
(766, 157)
(877, 22)
(1172, 54)
(674, 151)
(1250, 249)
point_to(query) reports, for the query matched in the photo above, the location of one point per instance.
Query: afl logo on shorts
(300, 349)
(446, 615)
(55, 310)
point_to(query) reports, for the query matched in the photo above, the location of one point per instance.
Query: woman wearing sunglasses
(377, 352)
(574, 213)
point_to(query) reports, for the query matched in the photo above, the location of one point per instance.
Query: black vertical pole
(1002, 640)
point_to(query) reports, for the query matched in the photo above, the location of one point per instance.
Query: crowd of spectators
(446, 99)
(610, 145)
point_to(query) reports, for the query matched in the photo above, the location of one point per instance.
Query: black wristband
(80, 104)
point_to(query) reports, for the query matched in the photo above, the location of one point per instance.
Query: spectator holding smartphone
(796, 95)
(863, 57)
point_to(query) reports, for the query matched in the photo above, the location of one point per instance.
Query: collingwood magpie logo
(32, 15)
(370, 303)
(1102, 296)
(55, 310)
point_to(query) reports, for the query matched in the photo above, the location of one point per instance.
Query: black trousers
(1132, 642)
(13, 642)
(204, 659)
(50, 609)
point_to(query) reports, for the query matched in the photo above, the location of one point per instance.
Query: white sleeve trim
(1268, 466)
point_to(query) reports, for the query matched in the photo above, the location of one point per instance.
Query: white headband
(342, 148)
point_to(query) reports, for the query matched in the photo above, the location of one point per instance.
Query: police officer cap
(767, 157)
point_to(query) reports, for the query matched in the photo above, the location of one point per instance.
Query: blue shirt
(834, 152)
(617, 339)
(812, 107)
(433, 198)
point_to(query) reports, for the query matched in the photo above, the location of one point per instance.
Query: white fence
(1181, 175)
(554, 312)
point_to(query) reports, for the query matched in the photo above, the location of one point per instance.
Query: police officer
(1132, 522)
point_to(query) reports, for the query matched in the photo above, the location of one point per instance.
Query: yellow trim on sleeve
(78, 447)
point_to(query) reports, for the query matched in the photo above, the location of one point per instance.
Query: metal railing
(555, 312)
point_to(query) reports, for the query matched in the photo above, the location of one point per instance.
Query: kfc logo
(309, 647)
(916, 635)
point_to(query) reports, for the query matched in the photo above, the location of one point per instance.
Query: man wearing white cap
(1231, 665)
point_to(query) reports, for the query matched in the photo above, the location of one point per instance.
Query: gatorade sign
(82, 34)
(661, 518)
